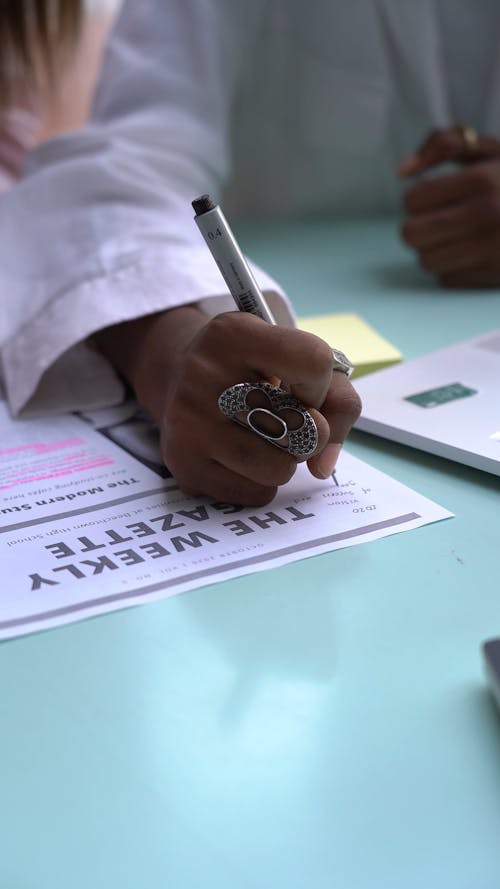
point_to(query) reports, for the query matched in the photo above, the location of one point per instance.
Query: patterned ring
(341, 362)
(300, 442)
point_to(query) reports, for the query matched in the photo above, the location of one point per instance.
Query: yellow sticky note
(366, 348)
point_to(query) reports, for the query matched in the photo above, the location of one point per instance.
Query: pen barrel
(232, 264)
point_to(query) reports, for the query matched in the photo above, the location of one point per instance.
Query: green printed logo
(442, 395)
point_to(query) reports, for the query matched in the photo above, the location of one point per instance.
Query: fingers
(341, 408)
(473, 278)
(453, 223)
(471, 182)
(233, 464)
(440, 146)
(242, 452)
(458, 143)
(254, 465)
(213, 480)
(261, 351)
(208, 452)
(462, 254)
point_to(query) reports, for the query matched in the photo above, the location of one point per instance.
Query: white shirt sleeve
(100, 229)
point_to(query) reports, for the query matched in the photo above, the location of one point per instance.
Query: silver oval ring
(255, 428)
(301, 442)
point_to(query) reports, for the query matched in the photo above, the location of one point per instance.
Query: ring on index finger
(341, 362)
(279, 418)
(470, 138)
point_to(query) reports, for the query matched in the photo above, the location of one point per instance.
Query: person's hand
(453, 220)
(181, 364)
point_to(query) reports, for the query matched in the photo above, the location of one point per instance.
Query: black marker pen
(232, 264)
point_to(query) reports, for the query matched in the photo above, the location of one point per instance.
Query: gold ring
(470, 138)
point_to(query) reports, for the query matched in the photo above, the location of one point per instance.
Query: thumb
(341, 409)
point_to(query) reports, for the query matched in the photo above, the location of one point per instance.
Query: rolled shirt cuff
(49, 364)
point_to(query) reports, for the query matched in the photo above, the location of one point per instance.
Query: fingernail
(327, 460)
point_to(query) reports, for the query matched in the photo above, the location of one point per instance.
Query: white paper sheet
(446, 402)
(86, 527)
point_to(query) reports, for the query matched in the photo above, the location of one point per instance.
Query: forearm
(147, 351)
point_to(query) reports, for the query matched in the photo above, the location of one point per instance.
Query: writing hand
(179, 364)
(453, 220)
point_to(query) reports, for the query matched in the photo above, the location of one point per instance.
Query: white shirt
(276, 106)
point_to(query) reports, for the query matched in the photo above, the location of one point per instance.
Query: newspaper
(91, 520)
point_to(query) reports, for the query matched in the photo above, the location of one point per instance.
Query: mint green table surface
(322, 726)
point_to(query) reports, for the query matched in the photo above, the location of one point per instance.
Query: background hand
(453, 220)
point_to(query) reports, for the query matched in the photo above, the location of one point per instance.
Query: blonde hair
(32, 35)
